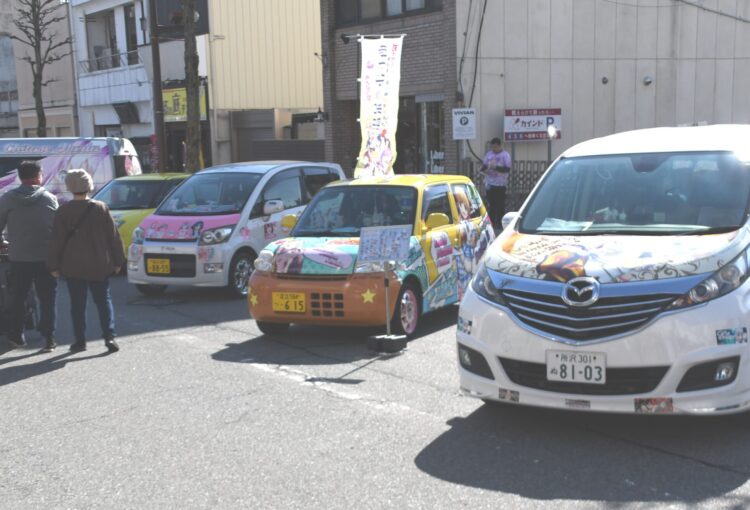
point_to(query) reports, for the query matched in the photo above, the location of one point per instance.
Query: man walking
(28, 211)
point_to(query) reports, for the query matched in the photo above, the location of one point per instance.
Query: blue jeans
(78, 290)
(22, 276)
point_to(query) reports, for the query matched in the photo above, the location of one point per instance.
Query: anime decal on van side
(103, 158)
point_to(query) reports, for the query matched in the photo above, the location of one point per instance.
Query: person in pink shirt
(496, 167)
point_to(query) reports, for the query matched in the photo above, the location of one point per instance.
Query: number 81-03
(589, 373)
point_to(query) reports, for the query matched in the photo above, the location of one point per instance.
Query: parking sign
(464, 124)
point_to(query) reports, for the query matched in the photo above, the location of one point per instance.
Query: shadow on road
(320, 345)
(545, 455)
(47, 363)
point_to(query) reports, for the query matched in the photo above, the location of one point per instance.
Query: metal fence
(104, 60)
(523, 178)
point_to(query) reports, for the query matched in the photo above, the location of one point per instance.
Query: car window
(436, 200)
(166, 189)
(468, 201)
(314, 178)
(128, 194)
(211, 194)
(284, 186)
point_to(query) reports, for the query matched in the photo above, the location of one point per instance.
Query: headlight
(264, 262)
(722, 282)
(369, 267)
(138, 235)
(216, 235)
(483, 285)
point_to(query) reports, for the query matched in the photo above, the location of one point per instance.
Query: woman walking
(85, 250)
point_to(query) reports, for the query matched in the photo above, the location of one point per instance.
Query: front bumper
(677, 342)
(353, 300)
(189, 264)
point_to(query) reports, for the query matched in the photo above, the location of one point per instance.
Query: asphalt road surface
(200, 410)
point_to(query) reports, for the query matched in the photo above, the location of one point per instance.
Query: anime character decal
(197, 229)
(613, 259)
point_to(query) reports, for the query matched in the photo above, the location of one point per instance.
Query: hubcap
(409, 312)
(241, 275)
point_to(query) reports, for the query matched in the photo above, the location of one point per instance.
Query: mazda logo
(582, 291)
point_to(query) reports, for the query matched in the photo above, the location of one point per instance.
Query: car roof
(714, 138)
(413, 180)
(260, 167)
(154, 177)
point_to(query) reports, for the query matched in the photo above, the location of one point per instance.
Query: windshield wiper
(712, 230)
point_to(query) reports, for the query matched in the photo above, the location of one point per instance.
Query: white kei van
(622, 284)
(209, 230)
(103, 158)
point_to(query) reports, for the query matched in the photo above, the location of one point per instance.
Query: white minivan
(209, 230)
(621, 285)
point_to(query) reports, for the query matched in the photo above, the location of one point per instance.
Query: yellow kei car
(132, 198)
(313, 276)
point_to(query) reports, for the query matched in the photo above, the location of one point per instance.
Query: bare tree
(34, 22)
(192, 85)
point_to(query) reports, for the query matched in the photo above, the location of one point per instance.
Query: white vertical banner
(380, 77)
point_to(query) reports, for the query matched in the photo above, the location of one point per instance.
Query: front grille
(327, 304)
(180, 266)
(609, 316)
(312, 277)
(620, 381)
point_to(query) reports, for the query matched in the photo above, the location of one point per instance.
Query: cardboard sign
(381, 244)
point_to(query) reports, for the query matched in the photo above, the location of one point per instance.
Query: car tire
(239, 273)
(150, 290)
(408, 311)
(272, 328)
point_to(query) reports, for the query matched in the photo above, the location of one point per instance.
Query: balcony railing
(107, 60)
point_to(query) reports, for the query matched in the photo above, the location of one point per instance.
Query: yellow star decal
(253, 299)
(368, 296)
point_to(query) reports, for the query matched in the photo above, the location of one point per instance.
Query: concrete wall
(557, 53)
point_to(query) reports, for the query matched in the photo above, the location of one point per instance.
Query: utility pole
(158, 102)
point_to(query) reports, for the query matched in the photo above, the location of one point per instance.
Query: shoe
(78, 347)
(111, 345)
(18, 341)
(51, 345)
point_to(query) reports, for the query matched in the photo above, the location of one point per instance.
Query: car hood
(187, 228)
(613, 259)
(315, 255)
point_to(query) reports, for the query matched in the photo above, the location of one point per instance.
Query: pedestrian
(85, 250)
(496, 167)
(28, 212)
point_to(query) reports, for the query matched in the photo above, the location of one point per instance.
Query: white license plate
(579, 367)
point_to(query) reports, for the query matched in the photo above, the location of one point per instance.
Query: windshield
(652, 194)
(122, 195)
(344, 210)
(211, 194)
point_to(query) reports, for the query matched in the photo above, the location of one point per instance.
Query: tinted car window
(314, 178)
(123, 195)
(436, 200)
(284, 186)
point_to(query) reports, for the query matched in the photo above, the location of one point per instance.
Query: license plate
(291, 302)
(158, 266)
(579, 367)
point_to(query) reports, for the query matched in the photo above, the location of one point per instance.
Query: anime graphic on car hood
(315, 255)
(613, 259)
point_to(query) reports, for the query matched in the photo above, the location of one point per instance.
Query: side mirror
(289, 221)
(508, 219)
(437, 220)
(272, 206)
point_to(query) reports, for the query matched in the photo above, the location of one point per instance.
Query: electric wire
(476, 68)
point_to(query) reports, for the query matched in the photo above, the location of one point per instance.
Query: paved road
(200, 410)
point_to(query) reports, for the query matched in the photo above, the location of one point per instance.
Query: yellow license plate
(158, 266)
(291, 302)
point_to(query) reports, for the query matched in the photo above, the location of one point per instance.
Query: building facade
(608, 66)
(8, 81)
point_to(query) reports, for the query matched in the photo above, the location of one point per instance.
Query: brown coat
(94, 251)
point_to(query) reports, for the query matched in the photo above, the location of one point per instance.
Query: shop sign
(532, 124)
(175, 104)
(464, 124)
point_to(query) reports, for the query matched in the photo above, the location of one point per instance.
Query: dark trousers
(22, 276)
(78, 290)
(496, 203)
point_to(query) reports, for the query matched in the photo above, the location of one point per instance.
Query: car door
(438, 245)
(474, 232)
(285, 186)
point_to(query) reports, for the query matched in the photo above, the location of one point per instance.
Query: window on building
(131, 35)
(102, 41)
(349, 12)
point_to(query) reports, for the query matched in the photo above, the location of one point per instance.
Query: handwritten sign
(381, 244)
